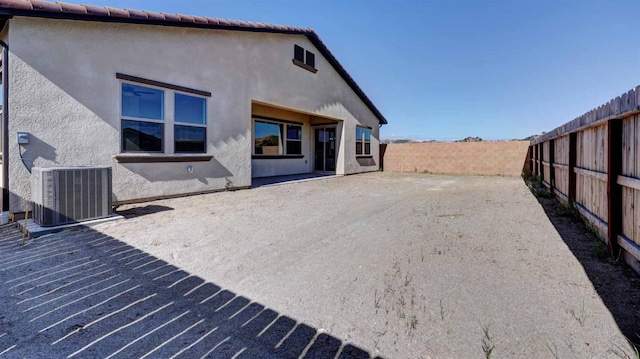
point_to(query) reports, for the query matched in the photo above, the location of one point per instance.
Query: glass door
(325, 149)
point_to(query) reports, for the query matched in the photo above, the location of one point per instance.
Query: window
(310, 59)
(269, 138)
(363, 141)
(294, 140)
(303, 58)
(142, 119)
(298, 53)
(190, 129)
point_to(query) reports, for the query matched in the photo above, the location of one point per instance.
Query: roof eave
(141, 21)
(315, 39)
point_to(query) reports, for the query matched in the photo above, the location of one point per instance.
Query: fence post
(552, 170)
(541, 158)
(573, 137)
(534, 153)
(614, 191)
(383, 149)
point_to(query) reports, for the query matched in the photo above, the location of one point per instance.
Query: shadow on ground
(81, 294)
(269, 181)
(616, 283)
(143, 211)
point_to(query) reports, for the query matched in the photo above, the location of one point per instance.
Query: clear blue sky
(449, 69)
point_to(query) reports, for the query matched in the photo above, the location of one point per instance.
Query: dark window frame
(177, 123)
(167, 90)
(298, 53)
(304, 58)
(283, 126)
(310, 59)
(124, 118)
(287, 139)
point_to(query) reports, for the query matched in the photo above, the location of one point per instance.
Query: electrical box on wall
(23, 138)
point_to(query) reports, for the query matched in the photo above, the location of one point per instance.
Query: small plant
(600, 249)
(542, 193)
(554, 350)
(407, 279)
(414, 322)
(487, 342)
(621, 352)
(580, 315)
(569, 210)
(591, 228)
(376, 300)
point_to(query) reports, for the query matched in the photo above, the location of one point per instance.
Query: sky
(449, 69)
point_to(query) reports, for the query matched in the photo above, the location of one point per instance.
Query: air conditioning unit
(63, 195)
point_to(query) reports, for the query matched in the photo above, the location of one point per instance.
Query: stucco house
(175, 104)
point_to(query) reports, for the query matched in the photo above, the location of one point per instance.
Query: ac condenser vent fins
(63, 195)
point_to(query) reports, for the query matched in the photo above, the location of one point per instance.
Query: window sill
(144, 158)
(304, 66)
(275, 157)
(364, 156)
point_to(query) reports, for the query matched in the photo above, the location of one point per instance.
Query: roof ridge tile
(186, 18)
(45, 6)
(116, 12)
(171, 17)
(96, 10)
(152, 15)
(17, 4)
(137, 14)
(72, 8)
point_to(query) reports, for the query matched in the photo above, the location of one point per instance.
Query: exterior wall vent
(64, 195)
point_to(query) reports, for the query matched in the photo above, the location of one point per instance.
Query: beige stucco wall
(63, 90)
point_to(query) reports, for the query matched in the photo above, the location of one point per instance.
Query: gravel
(402, 265)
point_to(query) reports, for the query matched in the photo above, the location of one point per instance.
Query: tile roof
(39, 8)
(106, 11)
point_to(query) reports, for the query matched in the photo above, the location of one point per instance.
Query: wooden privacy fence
(594, 163)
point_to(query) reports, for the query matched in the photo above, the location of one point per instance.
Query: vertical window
(190, 129)
(294, 140)
(363, 141)
(298, 53)
(310, 59)
(267, 138)
(142, 118)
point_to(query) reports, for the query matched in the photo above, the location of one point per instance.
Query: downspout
(5, 126)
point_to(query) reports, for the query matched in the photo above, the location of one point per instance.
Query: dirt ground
(617, 284)
(404, 265)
